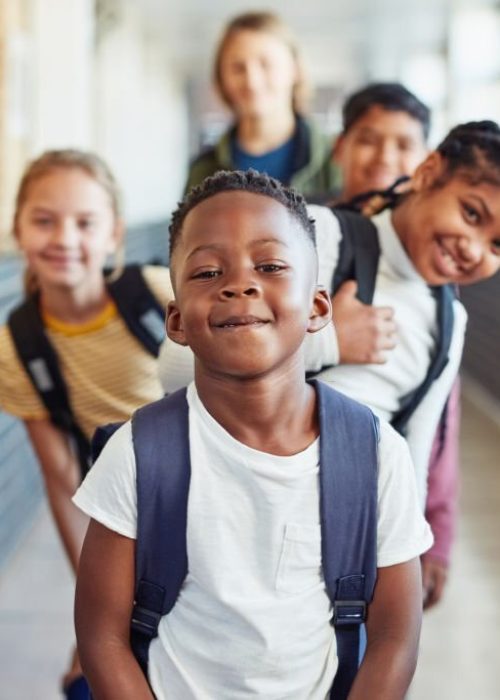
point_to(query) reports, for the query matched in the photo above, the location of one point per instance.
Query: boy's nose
(386, 153)
(235, 290)
(240, 283)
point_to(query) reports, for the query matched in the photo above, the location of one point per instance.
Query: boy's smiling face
(379, 147)
(452, 229)
(245, 281)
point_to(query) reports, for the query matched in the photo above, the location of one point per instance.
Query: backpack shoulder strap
(348, 502)
(359, 253)
(161, 445)
(445, 296)
(41, 363)
(139, 308)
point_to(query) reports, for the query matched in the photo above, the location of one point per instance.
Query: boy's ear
(338, 148)
(174, 325)
(321, 311)
(428, 172)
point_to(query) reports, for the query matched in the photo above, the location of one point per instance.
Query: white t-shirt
(383, 386)
(253, 616)
(380, 386)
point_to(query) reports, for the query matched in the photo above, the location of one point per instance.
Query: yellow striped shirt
(107, 370)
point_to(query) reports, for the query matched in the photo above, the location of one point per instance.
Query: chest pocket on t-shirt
(299, 568)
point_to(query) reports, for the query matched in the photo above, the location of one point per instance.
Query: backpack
(348, 478)
(143, 316)
(359, 253)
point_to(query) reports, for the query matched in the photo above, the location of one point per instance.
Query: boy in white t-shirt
(249, 622)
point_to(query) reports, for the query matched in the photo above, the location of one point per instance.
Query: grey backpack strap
(445, 297)
(348, 501)
(161, 445)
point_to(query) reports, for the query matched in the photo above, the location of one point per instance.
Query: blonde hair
(274, 25)
(70, 159)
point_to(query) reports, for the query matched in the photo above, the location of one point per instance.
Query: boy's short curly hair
(473, 148)
(242, 181)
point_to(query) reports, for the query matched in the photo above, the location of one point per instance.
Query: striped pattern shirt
(107, 370)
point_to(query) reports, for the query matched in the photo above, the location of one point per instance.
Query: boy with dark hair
(253, 617)
(384, 135)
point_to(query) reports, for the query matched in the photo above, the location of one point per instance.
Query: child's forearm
(386, 671)
(113, 672)
(61, 475)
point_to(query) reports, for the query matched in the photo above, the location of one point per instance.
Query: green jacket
(314, 173)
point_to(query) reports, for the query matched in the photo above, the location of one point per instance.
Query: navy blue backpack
(348, 507)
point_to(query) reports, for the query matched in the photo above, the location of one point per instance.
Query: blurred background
(132, 81)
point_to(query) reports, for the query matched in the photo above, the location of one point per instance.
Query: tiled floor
(460, 657)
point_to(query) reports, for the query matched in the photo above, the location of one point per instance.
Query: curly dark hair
(474, 149)
(239, 181)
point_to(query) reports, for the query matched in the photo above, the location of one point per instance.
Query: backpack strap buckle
(349, 612)
(148, 609)
(145, 621)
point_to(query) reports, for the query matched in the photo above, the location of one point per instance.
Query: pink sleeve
(442, 496)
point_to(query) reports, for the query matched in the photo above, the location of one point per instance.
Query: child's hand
(434, 576)
(364, 332)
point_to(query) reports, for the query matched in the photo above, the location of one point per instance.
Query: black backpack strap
(41, 363)
(139, 308)
(348, 501)
(359, 253)
(100, 437)
(445, 317)
(161, 445)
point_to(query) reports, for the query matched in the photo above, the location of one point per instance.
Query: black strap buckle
(349, 612)
(145, 621)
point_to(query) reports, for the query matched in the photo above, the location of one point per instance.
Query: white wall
(62, 33)
(141, 124)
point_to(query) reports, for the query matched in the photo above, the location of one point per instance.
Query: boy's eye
(270, 267)
(206, 274)
(471, 214)
(366, 140)
(405, 145)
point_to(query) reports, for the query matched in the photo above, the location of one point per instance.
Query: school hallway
(460, 646)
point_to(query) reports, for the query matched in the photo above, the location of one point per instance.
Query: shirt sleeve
(402, 531)
(108, 493)
(17, 394)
